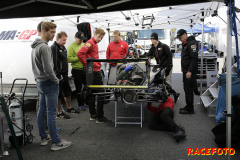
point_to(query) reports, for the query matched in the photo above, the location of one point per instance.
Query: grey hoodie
(42, 61)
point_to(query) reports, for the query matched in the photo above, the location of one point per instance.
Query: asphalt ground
(93, 141)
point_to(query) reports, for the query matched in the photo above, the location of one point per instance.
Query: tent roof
(39, 8)
(181, 16)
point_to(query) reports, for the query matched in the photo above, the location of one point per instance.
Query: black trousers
(79, 80)
(64, 88)
(163, 121)
(195, 86)
(188, 86)
(97, 80)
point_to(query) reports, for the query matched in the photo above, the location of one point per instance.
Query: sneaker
(176, 96)
(72, 110)
(179, 134)
(63, 144)
(103, 120)
(63, 115)
(83, 108)
(93, 117)
(44, 141)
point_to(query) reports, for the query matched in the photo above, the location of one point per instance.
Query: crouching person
(163, 119)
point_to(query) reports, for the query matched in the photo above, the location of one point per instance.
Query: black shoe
(93, 117)
(183, 108)
(186, 111)
(179, 134)
(103, 120)
(72, 110)
(176, 96)
(197, 93)
(63, 115)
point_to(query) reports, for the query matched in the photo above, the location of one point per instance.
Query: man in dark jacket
(189, 64)
(163, 57)
(61, 66)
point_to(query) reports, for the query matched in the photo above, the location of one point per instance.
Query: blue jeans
(48, 98)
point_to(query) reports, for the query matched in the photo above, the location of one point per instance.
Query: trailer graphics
(15, 35)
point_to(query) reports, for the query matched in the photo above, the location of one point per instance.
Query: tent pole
(175, 46)
(109, 37)
(201, 71)
(229, 82)
(191, 26)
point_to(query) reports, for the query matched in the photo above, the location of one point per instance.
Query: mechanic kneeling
(163, 119)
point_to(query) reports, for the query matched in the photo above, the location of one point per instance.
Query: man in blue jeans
(47, 85)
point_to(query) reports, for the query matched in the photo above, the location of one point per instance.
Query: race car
(129, 81)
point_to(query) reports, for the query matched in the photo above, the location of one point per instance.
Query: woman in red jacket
(163, 119)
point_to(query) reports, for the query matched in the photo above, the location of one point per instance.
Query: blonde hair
(117, 32)
(100, 31)
(61, 34)
(48, 25)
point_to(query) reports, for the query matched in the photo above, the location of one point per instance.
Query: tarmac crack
(75, 130)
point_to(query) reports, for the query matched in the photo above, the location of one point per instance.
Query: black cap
(80, 35)
(180, 33)
(154, 36)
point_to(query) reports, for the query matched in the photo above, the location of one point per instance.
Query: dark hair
(39, 26)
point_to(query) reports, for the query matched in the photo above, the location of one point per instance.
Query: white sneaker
(63, 144)
(44, 141)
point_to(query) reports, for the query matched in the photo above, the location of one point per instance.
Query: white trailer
(16, 37)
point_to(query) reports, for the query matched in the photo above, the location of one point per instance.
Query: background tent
(198, 29)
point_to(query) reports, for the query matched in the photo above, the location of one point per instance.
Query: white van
(143, 41)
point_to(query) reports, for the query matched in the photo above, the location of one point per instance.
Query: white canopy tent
(164, 17)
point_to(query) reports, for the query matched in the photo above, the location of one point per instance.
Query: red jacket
(90, 49)
(168, 104)
(117, 50)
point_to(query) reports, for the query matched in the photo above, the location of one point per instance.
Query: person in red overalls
(90, 50)
(163, 119)
(117, 49)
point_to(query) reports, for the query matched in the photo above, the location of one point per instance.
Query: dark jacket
(162, 55)
(189, 55)
(60, 59)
